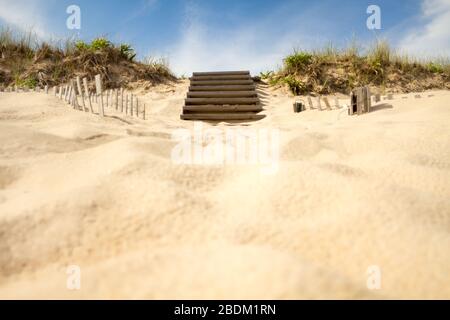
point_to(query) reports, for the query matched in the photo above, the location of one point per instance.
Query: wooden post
(80, 91)
(360, 101)
(336, 103)
(87, 94)
(98, 85)
(66, 93)
(69, 95)
(311, 105)
(319, 103)
(46, 89)
(137, 107)
(117, 99)
(126, 104)
(121, 100)
(327, 103)
(143, 112)
(131, 105)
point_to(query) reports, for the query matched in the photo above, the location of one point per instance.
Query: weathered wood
(310, 103)
(80, 91)
(360, 101)
(143, 114)
(131, 104)
(192, 101)
(319, 103)
(117, 99)
(87, 94)
(327, 103)
(126, 104)
(222, 116)
(121, 100)
(223, 108)
(229, 77)
(221, 82)
(219, 94)
(223, 88)
(137, 107)
(221, 73)
(336, 103)
(98, 85)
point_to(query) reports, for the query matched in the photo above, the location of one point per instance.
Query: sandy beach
(104, 194)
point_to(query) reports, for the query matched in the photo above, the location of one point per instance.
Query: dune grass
(27, 61)
(331, 70)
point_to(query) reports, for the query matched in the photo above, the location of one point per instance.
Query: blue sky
(243, 34)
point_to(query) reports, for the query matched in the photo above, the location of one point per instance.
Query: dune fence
(80, 96)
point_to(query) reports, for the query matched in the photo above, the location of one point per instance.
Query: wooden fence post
(98, 85)
(80, 91)
(121, 100)
(336, 103)
(327, 103)
(87, 94)
(137, 107)
(131, 105)
(311, 105)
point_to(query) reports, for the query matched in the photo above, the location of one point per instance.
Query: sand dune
(104, 194)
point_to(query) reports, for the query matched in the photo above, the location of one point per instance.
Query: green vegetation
(331, 70)
(26, 61)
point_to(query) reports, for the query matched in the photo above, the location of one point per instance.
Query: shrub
(100, 44)
(295, 86)
(298, 61)
(434, 68)
(127, 52)
(82, 46)
(27, 82)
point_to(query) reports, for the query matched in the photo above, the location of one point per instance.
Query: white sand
(103, 194)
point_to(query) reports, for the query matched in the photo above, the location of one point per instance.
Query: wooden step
(221, 94)
(221, 82)
(223, 88)
(229, 77)
(222, 116)
(221, 73)
(196, 101)
(223, 108)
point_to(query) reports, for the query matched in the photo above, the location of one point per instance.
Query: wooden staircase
(222, 96)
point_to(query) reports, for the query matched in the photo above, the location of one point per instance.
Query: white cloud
(433, 37)
(24, 15)
(256, 47)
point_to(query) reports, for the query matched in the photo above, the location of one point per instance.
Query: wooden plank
(232, 77)
(98, 86)
(223, 88)
(221, 73)
(222, 108)
(86, 93)
(319, 103)
(221, 82)
(310, 103)
(222, 116)
(221, 94)
(327, 103)
(190, 101)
